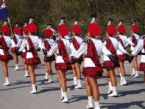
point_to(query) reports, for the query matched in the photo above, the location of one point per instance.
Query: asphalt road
(17, 96)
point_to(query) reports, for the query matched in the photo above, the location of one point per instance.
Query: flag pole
(9, 21)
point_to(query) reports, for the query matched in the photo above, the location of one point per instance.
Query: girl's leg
(95, 90)
(75, 75)
(122, 74)
(6, 73)
(32, 78)
(26, 68)
(78, 71)
(113, 82)
(15, 57)
(136, 67)
(48, 72)
(89, 94)
(133, 67)
(63, 85)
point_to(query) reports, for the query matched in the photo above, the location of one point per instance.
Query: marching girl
(5, 43)
(16, 42)
(23, 55)
(32, 44)
(47, 44)
(76, 41)
(134, 38)
(124, 42)
(62, 49)
(140, 47)
(109, 50)
(92, 50)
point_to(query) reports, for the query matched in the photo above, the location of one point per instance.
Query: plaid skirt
(121, 57)
(5, 57)
(14, 49)
(93, 71)
(23, 55)
(63, 66)
(109, 64)
(141, 66)
(49, 59)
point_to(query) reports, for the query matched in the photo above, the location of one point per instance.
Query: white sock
(114, 89)
(33, 86)
(6, 80)
(90, 101)
(97, 105)
(65, 95)
(16, 65)
(110, 86)
(120, 75)
(62, 94)
(79, 82)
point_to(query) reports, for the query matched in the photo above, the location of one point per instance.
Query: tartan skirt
(5, 57)
(121, 57)
(63, 66)
(109, 64)
(93, 71)
(141, 66)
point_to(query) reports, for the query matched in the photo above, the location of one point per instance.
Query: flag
(3, 11)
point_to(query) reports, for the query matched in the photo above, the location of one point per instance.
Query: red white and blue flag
(3, 11)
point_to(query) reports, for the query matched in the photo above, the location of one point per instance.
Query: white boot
(34, 89)
(26, 74)
(114, 92)
(133, 72)
(75, 81)
(50, 79)
(136, 74)
(123, 81)
(79, 85)
(62, 95)
(65, 99)
(16, 67)
(6, 82)
(110, 88)
(46, 76)
(97, 105)
(90, 102)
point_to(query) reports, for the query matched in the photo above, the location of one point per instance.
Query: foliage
(49, 11)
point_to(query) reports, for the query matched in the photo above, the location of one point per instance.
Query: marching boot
(16, 67)
(65, 99)
(136, 74)
(97, 105)
(6, 82)
(75, 81)
(50, 79)
(34, 89)
(114, 92)
(110, 88)
(79, 85)
(46, 76)
(133, 72)
(90, 103)
(26, 74)
(123, 81)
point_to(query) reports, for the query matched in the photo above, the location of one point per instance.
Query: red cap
(6, 29)
(121, 29)
(135, 28)
(48, 32)
(32, 28)
(94, 29)
(111, 30)
(17, 30)
(63, 30)
(25, 29)
(77, 29)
